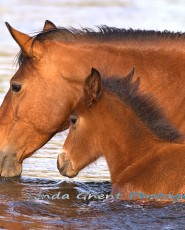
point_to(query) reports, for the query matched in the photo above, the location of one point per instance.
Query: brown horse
(52, 70)
(131, 131)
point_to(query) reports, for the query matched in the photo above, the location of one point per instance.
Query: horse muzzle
(65, 167)
(9, 166)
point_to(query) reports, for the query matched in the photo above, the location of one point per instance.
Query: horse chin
(9, 166)
(65, 167)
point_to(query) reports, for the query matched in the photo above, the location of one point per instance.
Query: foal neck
(130, 139)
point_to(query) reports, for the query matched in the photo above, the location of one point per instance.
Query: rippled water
(25, 208)
(20, 205)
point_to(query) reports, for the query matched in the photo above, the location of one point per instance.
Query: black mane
(103, 34)
(144, 106)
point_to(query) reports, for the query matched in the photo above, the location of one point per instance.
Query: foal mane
(103, 34)
(144, 106)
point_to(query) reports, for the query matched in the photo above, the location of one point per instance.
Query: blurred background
(29, 15)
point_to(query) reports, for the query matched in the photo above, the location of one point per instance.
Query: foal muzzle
(65, 167)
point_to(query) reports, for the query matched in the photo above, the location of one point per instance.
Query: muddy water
(42, 198)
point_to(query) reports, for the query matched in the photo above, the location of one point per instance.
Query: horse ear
(93, 87)
(25, 43)
(48, 25)
(131, 74)
(137, 83)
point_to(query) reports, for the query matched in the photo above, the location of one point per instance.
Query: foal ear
(48, 25)
(131, 74)
(92, 87)
(136, 83)
(25, 43)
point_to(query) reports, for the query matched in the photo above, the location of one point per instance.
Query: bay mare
(114, 119)
(52, 70)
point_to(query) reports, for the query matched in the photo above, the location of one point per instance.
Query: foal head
(114, 116)
(90, 122)
(81, 144)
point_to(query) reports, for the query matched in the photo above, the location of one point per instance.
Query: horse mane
(145, 106)
(103, 34)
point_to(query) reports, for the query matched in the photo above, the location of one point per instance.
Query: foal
(115, 120)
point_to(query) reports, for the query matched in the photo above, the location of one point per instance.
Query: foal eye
(73, 120)
(15, 87)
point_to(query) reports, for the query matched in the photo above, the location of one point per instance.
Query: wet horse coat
(131, 131)
(52, 70)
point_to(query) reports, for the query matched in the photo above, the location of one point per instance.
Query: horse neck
(129, 138)
(114, 60)
(79, 58)
(156, 44)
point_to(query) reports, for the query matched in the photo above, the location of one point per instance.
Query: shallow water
(27, 208)
(20, 204)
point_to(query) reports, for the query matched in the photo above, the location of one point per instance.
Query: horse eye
(73, 120)
(15, 87)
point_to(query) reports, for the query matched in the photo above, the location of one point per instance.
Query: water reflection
(19, 210)
(30, 196)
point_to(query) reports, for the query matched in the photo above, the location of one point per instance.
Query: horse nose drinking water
(127, 127)
(52, 70)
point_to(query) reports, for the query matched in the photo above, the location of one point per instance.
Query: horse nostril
(60, 159)
(64, 167)
(62, 163)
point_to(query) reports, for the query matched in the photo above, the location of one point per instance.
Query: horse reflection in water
(143, 150)
(35, 204)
